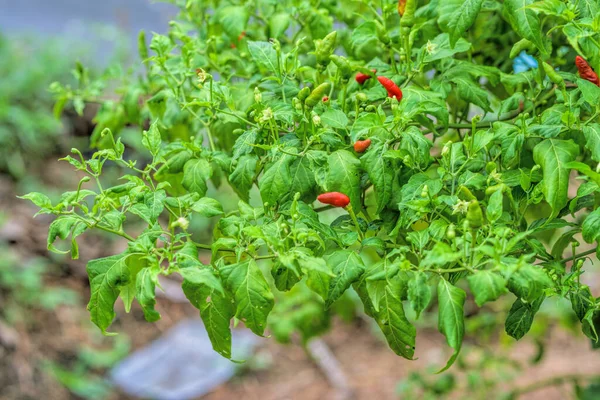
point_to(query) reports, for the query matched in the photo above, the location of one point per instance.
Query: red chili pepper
(232, 46)
(362, 145)
(241, 36)
(335, 199)
(325, 99)
(392, 89)
(586, 72)
(361, 78)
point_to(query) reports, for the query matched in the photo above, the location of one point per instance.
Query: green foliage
(28, 130)
(465, 176)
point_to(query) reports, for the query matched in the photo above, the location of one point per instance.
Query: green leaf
(335, 119)
(486, 286)
(462, 18)
(493, 210)
(274, 184)
(343, 176)
(233, 19)
(380, 173)
(451, 322)
(553, 155)
(243, 144)
(520, 317)
(471, 92)
(155, 201)
(107, 275)
(525, 22)
(529, 282)
(441, 48)
(398, 331)
(592, 136)
(419, 293)
(195, 174)
(242, 177)
(39, 199)
(591, 226)
(590, 92)
(208, 207)
(128, 292)
(151, 139)
(146, 282)
(61, 228)
(347, 267)
(278, 23)
(264, 55)
(216, 311)
(303, 179)
(253, 297)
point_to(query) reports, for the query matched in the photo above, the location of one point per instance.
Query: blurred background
(50, 350)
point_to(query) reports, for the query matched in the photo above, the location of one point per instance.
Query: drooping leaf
(520, 317)
(451, 324)
(253, 297)
(347, 266)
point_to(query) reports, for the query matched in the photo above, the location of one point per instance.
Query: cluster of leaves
(465, 176)
(28, 130)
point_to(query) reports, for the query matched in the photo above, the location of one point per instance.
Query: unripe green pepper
(342, 64)
(317, 94)
(408, 18)
(324, 48)
(554, 76)
(303, 93)
(521, 45)
(474, 215)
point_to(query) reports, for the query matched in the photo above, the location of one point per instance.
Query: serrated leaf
(451, 322)
(486, 286)
(253, 297)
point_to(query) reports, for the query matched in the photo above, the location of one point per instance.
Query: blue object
(181, 365)
(524, 62)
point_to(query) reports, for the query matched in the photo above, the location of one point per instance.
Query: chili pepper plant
(456, 180)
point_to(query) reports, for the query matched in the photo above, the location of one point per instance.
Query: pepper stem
(356, 224)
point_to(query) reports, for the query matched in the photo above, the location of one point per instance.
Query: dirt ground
(370, 368)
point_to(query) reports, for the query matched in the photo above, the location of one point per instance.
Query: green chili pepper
(303, 93)
(317, 94)
(554, 76)
(142, 49)
(324, 48)
(408, 18)
(474, 215)
(521, 45)
(343, 65)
